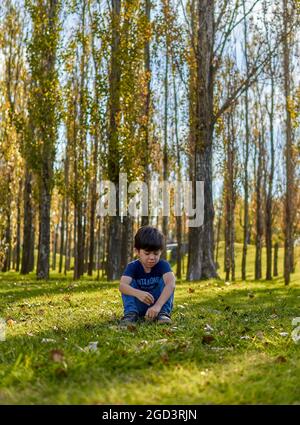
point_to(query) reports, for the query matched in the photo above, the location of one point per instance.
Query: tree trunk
(201, 239)
(288, 149)
(98, 250)
(55, 242)
(269, 199)
(275, 269)
(32, 242)
(259, 227)
(246, 159)
(18, 236)
(44, 233)
(7, 259)
(62, 235)
(127, 241)
(93, 207)
(28, 222)
(165, 149)
(113, 265)
(146, 159)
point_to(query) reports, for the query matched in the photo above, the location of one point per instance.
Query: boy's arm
(168, 290)
(126, 289)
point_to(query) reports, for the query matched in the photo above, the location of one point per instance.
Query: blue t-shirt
(145, 280)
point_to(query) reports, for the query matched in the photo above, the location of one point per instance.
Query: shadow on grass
(139, 356)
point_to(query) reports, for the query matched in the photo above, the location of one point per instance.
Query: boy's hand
(145, 297)
(152, 312)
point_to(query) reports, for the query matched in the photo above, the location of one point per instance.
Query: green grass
(246, 361)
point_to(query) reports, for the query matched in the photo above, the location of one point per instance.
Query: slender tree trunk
(218, 239)
(28, 219)
(246, 158)
(127, 248)
(48, 136)
(18, 236)
(7, 259)
(98, 247)
(32, 243)
(93, 206)
(288, 150)
(259, 219)
(165, 150)
(275, 269)
(68, 242)
(113, 265)
(55, 243)
(44, 233)
(146, 159)
(269, 199)
(62, 235)
(178, 175)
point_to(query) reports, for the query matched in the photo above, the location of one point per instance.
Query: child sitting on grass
(147, 284)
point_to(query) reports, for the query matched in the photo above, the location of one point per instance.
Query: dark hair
(149, 238)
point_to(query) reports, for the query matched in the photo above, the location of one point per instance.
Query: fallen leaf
(46, 340)
(10, 322)
(164, 357)
(280, 359)
(92, 346)
(259, 334)
(208, 328)
(131, 328)
(162, 341)
(57, 356)
(207, 339)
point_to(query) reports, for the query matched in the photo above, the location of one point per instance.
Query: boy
(147, 284)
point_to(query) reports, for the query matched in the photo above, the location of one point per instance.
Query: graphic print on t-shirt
(136, 271)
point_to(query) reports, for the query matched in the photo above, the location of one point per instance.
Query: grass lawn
(229, 344)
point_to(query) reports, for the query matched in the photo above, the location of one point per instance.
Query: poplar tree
(43, 113)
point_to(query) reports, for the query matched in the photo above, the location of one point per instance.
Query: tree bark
(246, 159)
(165, 220)
(62, 235)
(269, 199)
(201, 263)
(275, 269)
(288, 150)
(146, 132)
(28, 222)
(259, 219)
(18, 236)
(113, 265)
(44, 231)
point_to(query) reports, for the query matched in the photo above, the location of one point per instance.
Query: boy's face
(148, 258)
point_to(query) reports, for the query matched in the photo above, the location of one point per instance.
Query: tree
(43, 102)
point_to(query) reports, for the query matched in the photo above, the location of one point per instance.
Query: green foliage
(44, 95)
